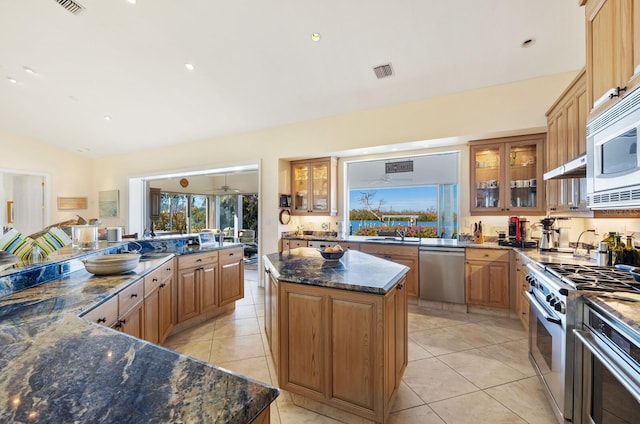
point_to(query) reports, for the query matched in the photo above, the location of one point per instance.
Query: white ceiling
(255, 64)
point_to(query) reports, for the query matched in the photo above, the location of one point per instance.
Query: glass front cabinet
(313, 185)
(505, 173)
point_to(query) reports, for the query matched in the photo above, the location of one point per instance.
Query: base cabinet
(404, 255)
(197, 284)
(158, 303)
(346, 349)
(487, 277)
(522, 287)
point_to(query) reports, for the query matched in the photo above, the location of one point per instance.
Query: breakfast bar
(337, 330)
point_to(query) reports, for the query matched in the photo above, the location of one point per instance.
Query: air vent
(628, 104)
(383, 71)
(71, 6)
(627, 198)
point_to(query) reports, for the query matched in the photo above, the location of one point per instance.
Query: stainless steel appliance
(613, 159)
(607, 369)
(554, 292)
(549, 238)
(442, 274)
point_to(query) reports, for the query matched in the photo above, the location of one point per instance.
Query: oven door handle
(626, 379)
(533, 301)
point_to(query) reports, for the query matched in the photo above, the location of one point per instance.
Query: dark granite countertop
(56, 367)
(355, 271)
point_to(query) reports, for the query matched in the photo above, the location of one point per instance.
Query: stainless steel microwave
(613, 159)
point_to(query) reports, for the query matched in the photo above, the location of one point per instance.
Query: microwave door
(616, 159)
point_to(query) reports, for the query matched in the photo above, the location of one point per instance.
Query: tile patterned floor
(463, 368)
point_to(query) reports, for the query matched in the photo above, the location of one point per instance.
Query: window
(175, 217)
(421, 199)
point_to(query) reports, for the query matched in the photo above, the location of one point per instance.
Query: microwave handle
(627, 380)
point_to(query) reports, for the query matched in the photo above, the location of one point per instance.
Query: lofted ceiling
(255, 64)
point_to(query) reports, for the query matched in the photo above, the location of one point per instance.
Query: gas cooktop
(593, 277)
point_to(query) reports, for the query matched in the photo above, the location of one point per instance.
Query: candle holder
(84, 237)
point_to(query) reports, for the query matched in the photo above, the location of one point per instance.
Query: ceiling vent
(383, 71)
(71, 6)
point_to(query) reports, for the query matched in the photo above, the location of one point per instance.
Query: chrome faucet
(575, 251)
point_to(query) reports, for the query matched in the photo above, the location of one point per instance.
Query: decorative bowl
(331, 256)
(112, 264)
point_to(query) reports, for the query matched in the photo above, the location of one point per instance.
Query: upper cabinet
(613, 51)
(566, 140)
(314, 186)
(505, 173)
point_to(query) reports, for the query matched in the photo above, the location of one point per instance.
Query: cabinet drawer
(389, 249)
(105, 313)
(491, 255)
(152, 281)
(167, 269)
(227, 256)
(197, 259)
(128, 297)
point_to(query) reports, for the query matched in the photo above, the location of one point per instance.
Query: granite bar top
(56, 367)
(355, 271)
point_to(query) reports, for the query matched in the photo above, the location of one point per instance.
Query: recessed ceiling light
(132, 1)
(315, 36)
(12, 80)
(28, 70)
(189, 66)
(107, 118)
(528, 43)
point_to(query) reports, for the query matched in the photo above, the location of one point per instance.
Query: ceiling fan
(226, 188)
(386, 179)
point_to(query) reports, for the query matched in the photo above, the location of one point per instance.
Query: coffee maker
(549, 239)
(518, 233)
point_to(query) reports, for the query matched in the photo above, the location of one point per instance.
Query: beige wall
(70, 175)
(510, 108)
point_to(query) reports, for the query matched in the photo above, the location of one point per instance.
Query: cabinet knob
(400, 286)
(199, 260)
(617, 92)
(154, 280)
(102, 320)
(134, 294)
(162, 285)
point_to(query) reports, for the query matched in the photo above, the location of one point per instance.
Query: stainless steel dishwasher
(442, 274)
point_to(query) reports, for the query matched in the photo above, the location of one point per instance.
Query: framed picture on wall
(109, 203)
(10, 212)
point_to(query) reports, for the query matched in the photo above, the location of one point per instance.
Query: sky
(398, 198)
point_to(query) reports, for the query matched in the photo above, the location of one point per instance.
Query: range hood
(576, 168)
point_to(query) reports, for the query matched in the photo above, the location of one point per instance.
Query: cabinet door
(402, 328)
(151, 316)
(271, 317)
(231, 276)
(411, 278)
(524, 172)
(486, 178)
(497, 284)
(188, 298)
(208, 282)
(474, 282)
(320, 187)
(165, 306)
(132, 322)
(301, 185)
(608, 56)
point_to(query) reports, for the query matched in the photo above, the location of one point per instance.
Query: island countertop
(57, 367)
(352, 272)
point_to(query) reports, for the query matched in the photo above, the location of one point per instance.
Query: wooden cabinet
(197, 284)
(131, 310)
(231, 283)
(158, 303)
(404, 255)
(566, 140)
(288, 244)
(613, 51)
(314, 187)
(349, 245)
(505, 174)
(343, 348)
(105, 313)
(487, 277)
(522, 286)
(154, 203)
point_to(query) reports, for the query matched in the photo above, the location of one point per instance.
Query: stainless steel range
(555, 310)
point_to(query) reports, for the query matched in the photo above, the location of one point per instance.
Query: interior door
(28, 203)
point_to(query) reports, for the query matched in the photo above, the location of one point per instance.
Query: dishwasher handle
(445, 251)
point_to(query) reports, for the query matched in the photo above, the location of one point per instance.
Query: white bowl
(112, 264)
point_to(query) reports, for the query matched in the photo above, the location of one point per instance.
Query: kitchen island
(57, 367)
(337, 330)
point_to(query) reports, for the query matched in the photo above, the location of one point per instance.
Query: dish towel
(13, 242)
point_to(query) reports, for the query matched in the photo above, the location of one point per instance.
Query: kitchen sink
(396, 239)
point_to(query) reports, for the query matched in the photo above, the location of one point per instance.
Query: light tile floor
(463, 368)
